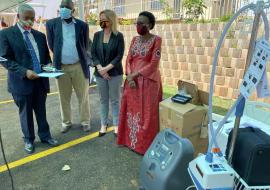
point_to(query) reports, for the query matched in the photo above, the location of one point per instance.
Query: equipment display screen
(217, 168)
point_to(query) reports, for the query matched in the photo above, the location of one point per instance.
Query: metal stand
(240, 107)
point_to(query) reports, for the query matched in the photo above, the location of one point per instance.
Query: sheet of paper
(256, 69)
(2, 59)
(263, 90)
(50, 75)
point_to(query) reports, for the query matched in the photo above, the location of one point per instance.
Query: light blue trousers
(109, 90)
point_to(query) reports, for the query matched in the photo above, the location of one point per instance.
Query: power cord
(190, 187)
(5, 160)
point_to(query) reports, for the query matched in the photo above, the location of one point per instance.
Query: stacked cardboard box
(188, 119)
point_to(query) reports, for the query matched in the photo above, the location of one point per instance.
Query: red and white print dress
(139, 114)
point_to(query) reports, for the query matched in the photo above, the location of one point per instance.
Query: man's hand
(99, 67)
(31, 75)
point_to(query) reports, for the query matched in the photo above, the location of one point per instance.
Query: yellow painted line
(53, 93)
(50, 151)
(50, 94)
(6, 102)
(93, 86)
(10, 101)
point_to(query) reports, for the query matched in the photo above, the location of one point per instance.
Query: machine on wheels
(212, 171)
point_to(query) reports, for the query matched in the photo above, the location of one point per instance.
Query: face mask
(27, 25)
(103, 24)
(65, 13)
(141, 29)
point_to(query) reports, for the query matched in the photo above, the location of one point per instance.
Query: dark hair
(150, 16)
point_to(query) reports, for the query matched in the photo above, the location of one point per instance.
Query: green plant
(123, 21)
(225, 18)
(203, 21)
(91, 19)
(230, 34)
(167, 10)
(189, 21)
(194, 8)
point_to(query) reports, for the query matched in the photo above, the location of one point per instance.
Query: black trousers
(36, 101)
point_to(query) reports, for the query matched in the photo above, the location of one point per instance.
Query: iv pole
(240, 107)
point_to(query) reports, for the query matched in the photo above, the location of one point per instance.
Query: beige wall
(188, 51)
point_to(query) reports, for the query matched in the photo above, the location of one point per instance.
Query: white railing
(130, 9)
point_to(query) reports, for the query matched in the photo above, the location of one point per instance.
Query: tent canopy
(4, 4)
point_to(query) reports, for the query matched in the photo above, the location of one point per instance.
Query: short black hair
(150, 16)
(68, 2)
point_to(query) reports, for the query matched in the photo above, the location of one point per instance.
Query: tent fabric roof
(4, 4)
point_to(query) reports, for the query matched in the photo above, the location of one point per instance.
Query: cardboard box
(185, 119)
(199, 97)
(190, 89)
(188, 119)
(200, 144)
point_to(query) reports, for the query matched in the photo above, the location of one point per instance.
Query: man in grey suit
(26, 51)
(68, 38)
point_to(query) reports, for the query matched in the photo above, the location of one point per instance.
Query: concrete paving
(98, 164)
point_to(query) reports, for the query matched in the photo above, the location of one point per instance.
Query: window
(176, 8)
(155, 5)
(107, 4)
(119, 7)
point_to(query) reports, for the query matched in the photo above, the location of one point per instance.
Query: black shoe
(100, 134)
(51, 142)
(29, 148)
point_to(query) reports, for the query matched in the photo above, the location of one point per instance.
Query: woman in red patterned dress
(139, 116)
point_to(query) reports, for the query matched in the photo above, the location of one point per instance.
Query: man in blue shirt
(68, 38)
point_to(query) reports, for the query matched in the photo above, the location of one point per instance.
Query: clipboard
(2, 59)
(50, 74)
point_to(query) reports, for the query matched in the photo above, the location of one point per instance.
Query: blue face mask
(65, 13)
